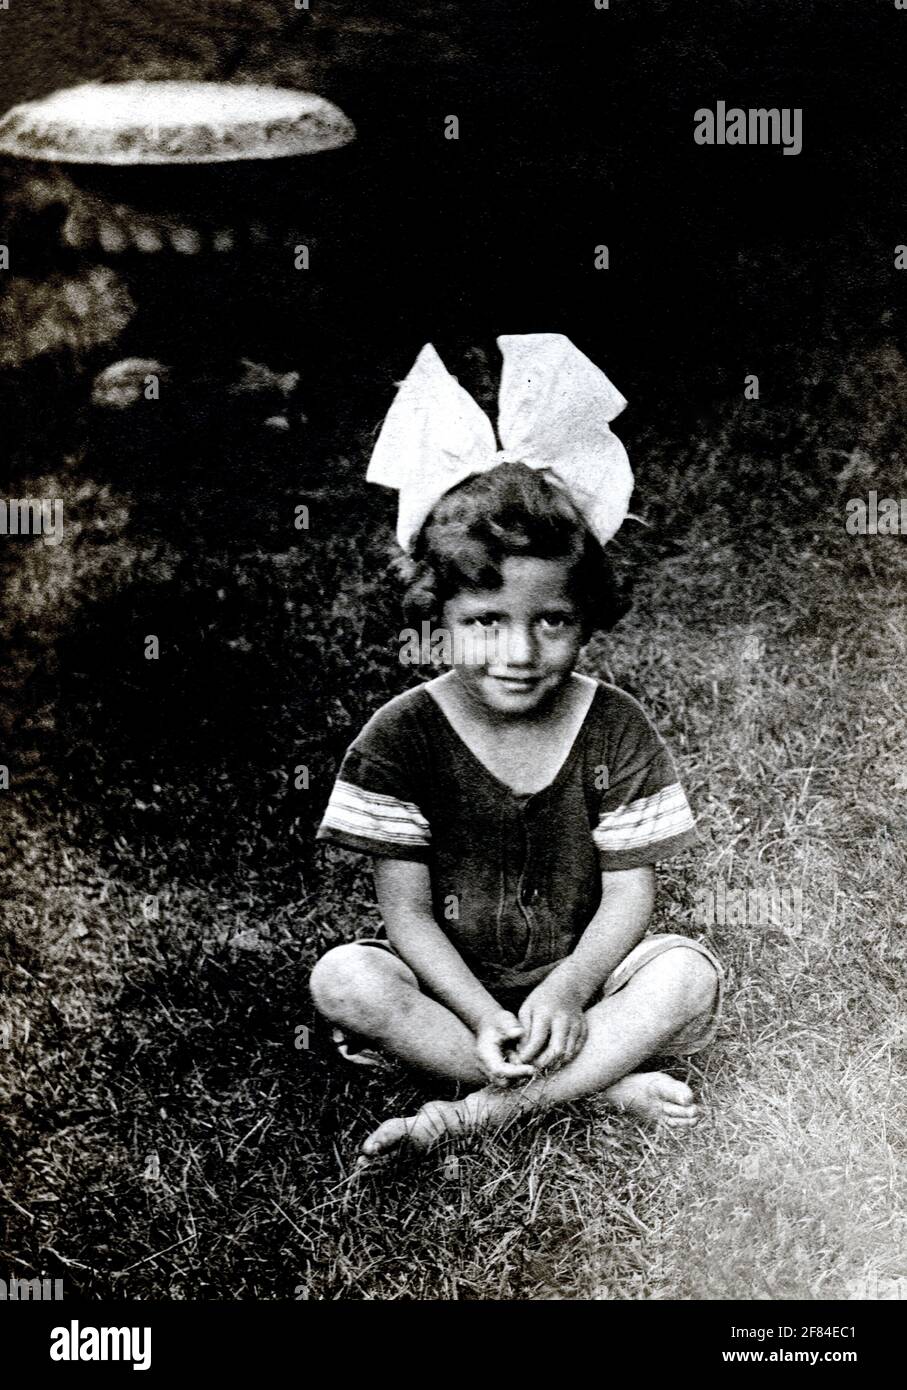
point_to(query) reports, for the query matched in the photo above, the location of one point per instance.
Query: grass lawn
(174, 1121)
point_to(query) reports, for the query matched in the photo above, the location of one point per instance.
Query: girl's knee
(684, 978)
(695, 975)
(351, 985)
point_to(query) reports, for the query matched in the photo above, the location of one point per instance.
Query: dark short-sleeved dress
(515, 878)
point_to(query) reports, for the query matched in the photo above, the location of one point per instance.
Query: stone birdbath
(188, 214)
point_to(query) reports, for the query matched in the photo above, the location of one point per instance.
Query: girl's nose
(520, 645)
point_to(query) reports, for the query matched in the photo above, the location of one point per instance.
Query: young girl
(514, 808)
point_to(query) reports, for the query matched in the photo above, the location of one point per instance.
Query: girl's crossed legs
(663, 997)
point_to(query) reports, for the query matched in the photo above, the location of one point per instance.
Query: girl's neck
(525, 752)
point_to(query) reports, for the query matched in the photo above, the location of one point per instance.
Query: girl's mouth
(518, 682)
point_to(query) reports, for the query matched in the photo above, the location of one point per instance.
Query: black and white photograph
(453, 668)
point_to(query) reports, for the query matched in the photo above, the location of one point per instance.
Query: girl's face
(514, 647)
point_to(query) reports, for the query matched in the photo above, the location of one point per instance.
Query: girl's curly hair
(509, 511)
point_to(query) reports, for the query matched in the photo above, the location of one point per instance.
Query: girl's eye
(482, 620)
(554, 622)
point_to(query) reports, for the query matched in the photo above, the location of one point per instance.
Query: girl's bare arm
(404, 896)
(628, 896)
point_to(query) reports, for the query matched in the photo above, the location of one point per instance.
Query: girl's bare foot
(655, 1096)
(650, 1095)
(439, 1119)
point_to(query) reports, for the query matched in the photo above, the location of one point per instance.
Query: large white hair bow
(554, 414)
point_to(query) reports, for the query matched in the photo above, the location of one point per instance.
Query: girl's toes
(682, 1116)
(420, 1131)
(385, 1138)
(678, 1104)
(680, 1111)
(673, 1092)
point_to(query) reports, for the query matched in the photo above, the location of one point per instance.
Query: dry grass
(164, 1136)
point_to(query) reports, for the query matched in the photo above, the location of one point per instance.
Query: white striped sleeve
(643, 829)
(374, 822)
